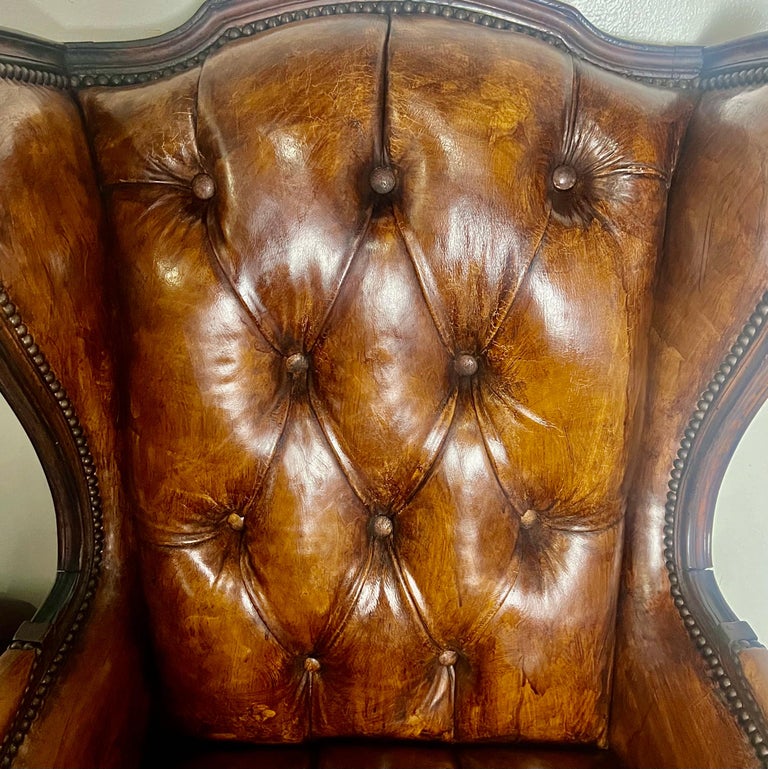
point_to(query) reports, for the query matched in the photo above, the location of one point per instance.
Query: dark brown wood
(215, 23)
(47, 415)
(27, 50)
(723, 412)
(737, 62)
(31, 60)
(25, 58)
(732, 398)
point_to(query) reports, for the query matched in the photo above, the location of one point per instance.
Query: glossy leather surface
(376, 443)
(52, 263)
(353, 325)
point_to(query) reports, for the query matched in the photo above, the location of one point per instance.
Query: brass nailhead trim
(736, 694)
(395, 7)
(33, 74)
(39, 75)
(44, 674)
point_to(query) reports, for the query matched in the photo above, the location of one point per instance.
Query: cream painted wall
(27, 523)
(27, 528)
(657, 21)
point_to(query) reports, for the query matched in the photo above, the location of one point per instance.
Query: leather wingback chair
(384, 360)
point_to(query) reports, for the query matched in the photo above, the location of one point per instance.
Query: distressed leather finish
(377, 443)
(717, 259)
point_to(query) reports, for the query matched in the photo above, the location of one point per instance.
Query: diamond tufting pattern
(377, 464)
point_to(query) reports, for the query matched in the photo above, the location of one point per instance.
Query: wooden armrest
(754, 666)
(12, 613)
(92, 707)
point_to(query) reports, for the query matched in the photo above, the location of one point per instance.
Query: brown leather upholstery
(361, 330)
(423, 533)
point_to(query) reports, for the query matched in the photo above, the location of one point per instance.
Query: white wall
(27, 536)
(27, 523)
(740, 536)
(656, 21)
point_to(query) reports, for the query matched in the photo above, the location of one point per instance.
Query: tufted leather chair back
(384, 361)
(384, 290)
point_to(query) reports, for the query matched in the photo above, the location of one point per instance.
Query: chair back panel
(384, 290)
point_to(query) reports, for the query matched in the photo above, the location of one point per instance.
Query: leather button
(447, 658)
(382, 526)
(528, 518)
(236, 522)
(382, 180)
(203, 187)
(465, 365)
(296, 363)
(564, 177)
(311, 664)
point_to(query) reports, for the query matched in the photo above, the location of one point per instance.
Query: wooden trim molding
(73, 65)
(47, 414)
(216, 24)
(31, 60)
(724, 410)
